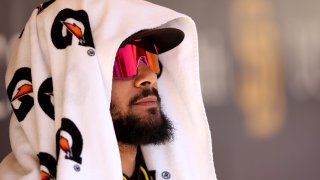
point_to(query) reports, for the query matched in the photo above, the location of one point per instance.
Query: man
(106, 90)
(135, 102)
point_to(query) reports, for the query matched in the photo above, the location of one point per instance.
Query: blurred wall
(259, 62)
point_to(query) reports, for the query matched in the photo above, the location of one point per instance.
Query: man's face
(136, 110)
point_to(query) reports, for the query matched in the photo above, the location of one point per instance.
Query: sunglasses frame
(134, 50)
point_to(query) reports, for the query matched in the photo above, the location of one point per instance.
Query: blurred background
(260, 75)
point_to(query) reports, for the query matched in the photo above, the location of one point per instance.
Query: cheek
(116, 97)
(120, 94)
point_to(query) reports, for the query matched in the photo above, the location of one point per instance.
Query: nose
(145, 76)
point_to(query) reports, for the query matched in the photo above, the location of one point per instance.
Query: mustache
(143, 94)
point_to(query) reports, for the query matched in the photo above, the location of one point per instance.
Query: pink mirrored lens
(126, 61)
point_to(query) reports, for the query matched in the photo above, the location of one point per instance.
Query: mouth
(148, 101)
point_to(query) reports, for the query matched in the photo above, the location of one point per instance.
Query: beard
(153, 128)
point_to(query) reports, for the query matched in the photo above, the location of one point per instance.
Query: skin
(122, 91)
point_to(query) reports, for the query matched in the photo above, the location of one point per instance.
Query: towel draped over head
(59, 82)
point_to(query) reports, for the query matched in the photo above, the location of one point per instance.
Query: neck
(128, 154)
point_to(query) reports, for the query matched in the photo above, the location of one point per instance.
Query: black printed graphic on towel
(44, 5)
(71, 145)
(22, 93)
(69, 24)
(50, 163)
(45, 97)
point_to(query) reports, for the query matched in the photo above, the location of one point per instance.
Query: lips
(147, 101)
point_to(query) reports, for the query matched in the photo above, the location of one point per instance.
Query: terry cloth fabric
(59, 81)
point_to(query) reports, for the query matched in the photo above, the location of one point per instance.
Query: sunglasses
(128, 59)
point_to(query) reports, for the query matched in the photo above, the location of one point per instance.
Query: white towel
(59, 83)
